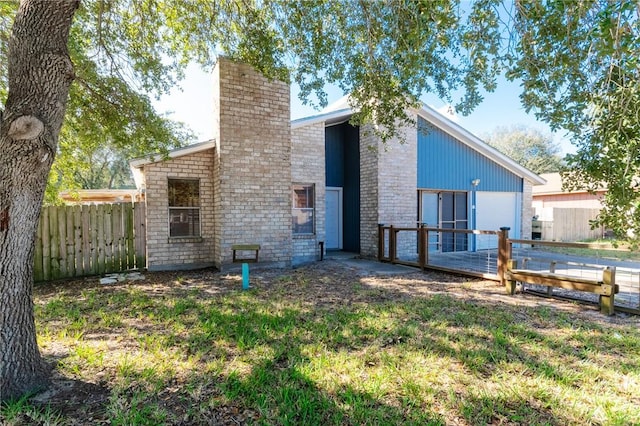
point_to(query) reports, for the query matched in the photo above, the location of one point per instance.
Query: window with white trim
(184, 207)
(303, 209)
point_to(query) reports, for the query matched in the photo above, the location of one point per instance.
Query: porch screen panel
(429, 207)
(453, 211)
(447, 214)
(461, 220)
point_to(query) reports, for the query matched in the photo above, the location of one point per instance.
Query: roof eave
(176, 153)
(321, 118)
(137, 164)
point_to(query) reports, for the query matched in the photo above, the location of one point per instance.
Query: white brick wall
(178, 253)
(527, 210)
(308, 167)
(252, 201)
(388, 176)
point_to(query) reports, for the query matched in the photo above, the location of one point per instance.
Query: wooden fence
(75, 241)
(568, 224)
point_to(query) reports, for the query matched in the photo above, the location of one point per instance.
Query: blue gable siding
(445, 163)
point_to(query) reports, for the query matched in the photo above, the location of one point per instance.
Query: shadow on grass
(299, 351)
(278, 388)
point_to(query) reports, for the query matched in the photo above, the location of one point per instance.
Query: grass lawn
(322, 345)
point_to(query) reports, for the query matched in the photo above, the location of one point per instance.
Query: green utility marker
(245, 276)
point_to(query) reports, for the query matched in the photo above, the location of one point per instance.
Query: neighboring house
(291, 185)
(551, 195)
(563, 215)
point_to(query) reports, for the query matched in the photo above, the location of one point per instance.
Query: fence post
(140, 234)
(511, 284)
(552, 269)
(504, 253)
(607, 301)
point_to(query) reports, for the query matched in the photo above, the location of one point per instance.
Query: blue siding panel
(334, 155)
(447, 164)
(342, 156)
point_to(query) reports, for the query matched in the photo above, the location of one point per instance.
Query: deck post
(504, 253)
(510, 285)
(426, 247)
(552, 269)
(422, 259)
(607, 305)
(392, 244)
(380, 241)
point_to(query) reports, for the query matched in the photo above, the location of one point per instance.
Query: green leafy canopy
(529, 147)
(577, 62)
(385, 53)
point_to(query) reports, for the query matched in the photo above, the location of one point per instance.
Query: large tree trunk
(40, 73)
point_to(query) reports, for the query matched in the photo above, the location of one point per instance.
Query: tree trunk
(40, 73)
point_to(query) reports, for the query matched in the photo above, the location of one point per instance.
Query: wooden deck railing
(388, 246)
(507, 250)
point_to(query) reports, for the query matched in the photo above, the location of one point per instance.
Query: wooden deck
(425, 247)
(484, 264)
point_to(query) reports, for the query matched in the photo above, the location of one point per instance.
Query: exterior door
(453, 214)
(429, 217)
(448, 210)
(333, 218)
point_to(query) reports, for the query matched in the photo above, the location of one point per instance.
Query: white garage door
(495, 210)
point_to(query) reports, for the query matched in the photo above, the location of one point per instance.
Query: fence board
(86, 240)
(116, 228)
(55, 245)
(62, 240)
(130, 243)
(93, 239)
(108, 237)
(46, 245)
(70, 245)
(74, 241)
(101, 243)
(37, 255)
(78, 242)
(140, 231)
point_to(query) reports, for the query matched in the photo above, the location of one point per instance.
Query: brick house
(290, 185)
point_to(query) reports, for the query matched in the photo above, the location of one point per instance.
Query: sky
(192, 103)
